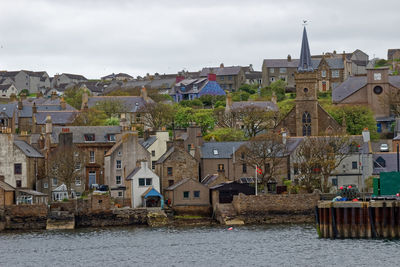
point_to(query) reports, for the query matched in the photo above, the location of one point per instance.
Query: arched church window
(306, 120)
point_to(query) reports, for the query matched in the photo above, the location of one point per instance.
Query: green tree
(91, 117)
(183, 116)
(195, 103)
(240, 96)
(73, 96)
(356, 118)
(205, 119)
(112, 107)
(211, 100)
(157, 115)
(225, 134)
(278, 87)
(112, 121)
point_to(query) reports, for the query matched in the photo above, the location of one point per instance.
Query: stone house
(140, 182)
(188, 196)
(377, 91)
(121, 160)
(33, 81)
(132, 105)
(176, 164)
(279, 69)
(67, 78)
(118, 76)
(156, 144)
(229, 78)
(217, 157)
(6, 90)
(19, 162)
(393, 54)
(8, 117)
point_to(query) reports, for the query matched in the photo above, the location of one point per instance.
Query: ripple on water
(202, 246)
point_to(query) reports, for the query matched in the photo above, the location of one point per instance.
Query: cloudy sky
(96, 38)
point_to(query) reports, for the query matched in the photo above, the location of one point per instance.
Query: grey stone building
(33, 81)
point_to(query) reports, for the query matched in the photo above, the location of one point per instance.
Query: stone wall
(25, 217)
(118, 217)
(294, 208)
(192, 210)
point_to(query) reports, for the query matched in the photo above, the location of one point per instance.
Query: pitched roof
(74, 76)
(113, 148)
(348, 87)
(27, 149)
(209, 178)
(267, 105)
(135, 170)
(390, 162)
(181, 182)
(78, 132)
(146, 144)
(231, 70)
(281, 63)
(63, 117)
(165, 155)
(8, 108)
(131, 103)
(219, 150)
(211, 88)
(4, 87)
(335, 63)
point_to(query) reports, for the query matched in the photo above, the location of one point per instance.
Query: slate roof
(4, 87)
(10, 74)
(57, 117)
(211, 88)
(181, 182)
(253, 75)
(281, 63)
(135, 170)
(8, 109)
(267, 105)
(33, 192)
(209, 178)
(6, 186)
(146, 144)
(231, 70)
(224, 149)
(114, 147)
(74, 76)
(165, 155)
(27, 149)
(390, 162)
(131, 103)
(113, 75)
(355, 83)
(335, 63)
(305, 63)
(78, 133)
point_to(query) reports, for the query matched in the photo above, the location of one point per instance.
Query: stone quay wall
(293, 208)
(21, 217)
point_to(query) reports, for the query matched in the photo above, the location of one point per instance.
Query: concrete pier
(375, 219)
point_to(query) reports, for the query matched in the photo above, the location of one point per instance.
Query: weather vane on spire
(304, 22)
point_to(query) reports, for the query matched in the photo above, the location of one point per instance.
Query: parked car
(384, 148)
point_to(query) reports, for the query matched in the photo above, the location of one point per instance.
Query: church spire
(305, 55)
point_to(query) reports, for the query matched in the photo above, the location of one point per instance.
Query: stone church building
(307, 118)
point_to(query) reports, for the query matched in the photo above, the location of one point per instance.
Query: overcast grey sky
(96, 38)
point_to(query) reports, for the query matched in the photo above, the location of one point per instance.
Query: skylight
(215, 151)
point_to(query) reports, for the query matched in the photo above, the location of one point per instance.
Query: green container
(375, 183)
(389, 183)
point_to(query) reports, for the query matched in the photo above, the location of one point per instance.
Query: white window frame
(54, 182)
(92, 158)
(323, 73)
(335, 74)
(78, 182)
(282, 70)
(118, 166)
(271, 70)
(116, 179)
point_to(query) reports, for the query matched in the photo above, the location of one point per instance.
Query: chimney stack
(20, 104)
(85, 99)
(228, 105)
(289, 58)
(143, 93)
(34, 108)
(179, 78)
(53, 95)
(212, 77)
(221, 65)
(63, 104)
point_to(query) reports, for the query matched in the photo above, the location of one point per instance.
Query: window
(120, 194)
(78, 182)
(118, 164)
(221, 78)
(111, 137)
(153, 165)
(118, 179)
(89, 137)
(296, 168)
(18, 183)
(230, 78)
(186, 194)
(267, 168)
(377, 76)
(45, 185)
(334, 181)
(323, 73)
(153, 153)
(272, 79)
(91, 157)
(17, 168)
(335, 74)
(145, 181)
(215, 151)
(196, 194)
(119, 153)
(105, 152)
(282, 70)
(77, 166)
(306, 124)
(170, 182)
(169, 171)
(380, 163)
(271, 70)
(221, 167)
(354, 165)
(282, 77)
(244, 168)
(242, 155)
(54, 182)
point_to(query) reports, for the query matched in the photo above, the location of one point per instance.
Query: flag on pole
(259, 171)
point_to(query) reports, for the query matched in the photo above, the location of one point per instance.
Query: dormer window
(215, 151)
(111, 137)
(380, 163)
(89, 137)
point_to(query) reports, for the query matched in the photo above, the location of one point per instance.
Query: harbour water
(278, 245)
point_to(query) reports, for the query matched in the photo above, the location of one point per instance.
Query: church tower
(306, 93)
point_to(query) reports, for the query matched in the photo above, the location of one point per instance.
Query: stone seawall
(20, 217)
(294, 208)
